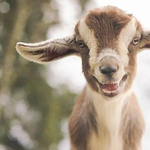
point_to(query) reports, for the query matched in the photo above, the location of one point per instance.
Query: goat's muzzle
(112, 76)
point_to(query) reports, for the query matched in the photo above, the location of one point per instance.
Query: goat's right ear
(48, 50)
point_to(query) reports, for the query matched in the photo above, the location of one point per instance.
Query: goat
(106, 115)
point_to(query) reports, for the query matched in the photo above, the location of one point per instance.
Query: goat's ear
(49, 50)
(145, 40)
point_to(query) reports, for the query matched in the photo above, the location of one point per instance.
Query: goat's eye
(80, 44)
(135, 41)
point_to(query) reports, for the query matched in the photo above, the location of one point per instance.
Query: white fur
(89, 39)
(113, 55)
(125, 38)
(109, 121)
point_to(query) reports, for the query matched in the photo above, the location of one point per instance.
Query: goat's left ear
(48, 50)
(145, 40)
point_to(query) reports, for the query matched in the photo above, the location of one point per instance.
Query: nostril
(108, 69)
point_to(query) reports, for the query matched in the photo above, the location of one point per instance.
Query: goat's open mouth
(112, 89)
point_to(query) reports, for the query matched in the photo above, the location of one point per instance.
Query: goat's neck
(109, 121)
(109, 113)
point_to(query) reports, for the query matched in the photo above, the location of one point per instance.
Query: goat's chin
(112, 89)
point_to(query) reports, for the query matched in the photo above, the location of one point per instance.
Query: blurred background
(36, 100)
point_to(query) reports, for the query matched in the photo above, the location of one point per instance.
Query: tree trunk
(21, 18)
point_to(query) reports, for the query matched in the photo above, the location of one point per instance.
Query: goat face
(107, 40)
(110, 36)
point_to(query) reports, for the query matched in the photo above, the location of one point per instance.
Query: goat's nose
(108, 69)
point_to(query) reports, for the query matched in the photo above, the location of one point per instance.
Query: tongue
(110, 87)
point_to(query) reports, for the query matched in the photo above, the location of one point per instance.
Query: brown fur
(87, 70)
(82, 122)
(132, 125)
(107, 24)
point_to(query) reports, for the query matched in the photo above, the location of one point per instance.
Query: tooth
(107, 91)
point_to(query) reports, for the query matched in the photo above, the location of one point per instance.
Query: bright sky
(68, 71)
